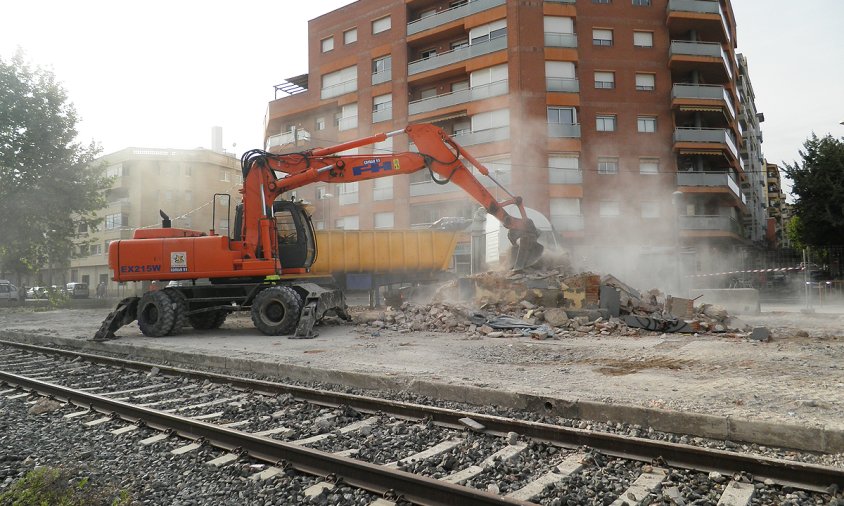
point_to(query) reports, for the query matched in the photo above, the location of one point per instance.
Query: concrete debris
(472, 424)
(44, 405)
(553, 304)
(760, 334)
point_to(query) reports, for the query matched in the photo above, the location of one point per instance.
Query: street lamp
(676, 199)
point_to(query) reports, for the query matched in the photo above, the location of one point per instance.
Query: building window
(488, 32)
(382, 64)
(601, 1)
(646, 124)
(327, 44)
(115, 170)
(381, 25)
(643, 39)
(648, 166)
(605, 123)
(97, 249)
(348, 193)
(645, 82)
(319, 123)
(347, 223)
(488, 75)
(608, 209)
(382, 188)
(82, 228)
(384, 220)
(605, 80)
(188, 170)
(382, 108)
(564, 168)
(115, 220)
(601, 37)
(642, 2)
(607, 165)
(428, 53)
(348, 118)
(650, 209)
(490, 119)
(225, 176)
(457, 44)
(562, 115)
(350, 36)
(339, 82)
(460, 127)
(459, 86)
(560, 76)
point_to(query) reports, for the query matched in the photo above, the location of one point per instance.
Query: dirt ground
(797, 377)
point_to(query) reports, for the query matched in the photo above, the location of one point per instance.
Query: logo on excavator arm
(375, 165)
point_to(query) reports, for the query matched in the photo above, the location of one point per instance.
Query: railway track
(397, 452)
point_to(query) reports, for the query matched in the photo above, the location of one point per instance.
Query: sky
(163, 74)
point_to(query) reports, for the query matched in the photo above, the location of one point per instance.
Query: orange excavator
(264, 267)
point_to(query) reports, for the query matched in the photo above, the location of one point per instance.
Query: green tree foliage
(819, 191)
(48, 185)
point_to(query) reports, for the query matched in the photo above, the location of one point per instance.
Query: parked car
(36, 292)
(77, 290)
(8, 292)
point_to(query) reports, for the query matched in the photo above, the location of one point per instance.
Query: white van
(8, 292)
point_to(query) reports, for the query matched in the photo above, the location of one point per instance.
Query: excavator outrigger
(264, 267)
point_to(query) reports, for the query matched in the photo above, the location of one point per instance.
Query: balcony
(339, 89)
(458, 97)
(453, 14)
(714, 223)
(382, 77)
(384, 114)
(430, 188)
(567, 223)
(691, 95)
(565, 176)
(347, 123)
(562, 130)
(285, 138)
(483, 136)
(716, 138)
(708, 58)
(711, 179)
(703, 15)
(458, 55)
(557, 39)
(562, 84)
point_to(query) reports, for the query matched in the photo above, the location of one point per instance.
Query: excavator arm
(437, 152)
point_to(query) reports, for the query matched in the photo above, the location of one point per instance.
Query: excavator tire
(276, 310)
(208, 320)
(156, 315)
(180, 307)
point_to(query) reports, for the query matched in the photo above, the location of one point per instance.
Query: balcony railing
(458, 97)
(704, 92)
(453, 14)
(347, 123)
(564, 84)
(696, 48)
(382, 77)
(562, 130)
(565, 176)
(483, 136)
(709, 179)
(458, 55)
(559, 39)
(706, 135)
(288, 138)
(566, 223)
(700, 6)
(382, 193)
(561, 1)
(430, 188)
(339, 89)
(382, 114)
(707, 222)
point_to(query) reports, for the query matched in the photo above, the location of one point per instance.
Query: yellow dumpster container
(383, 251)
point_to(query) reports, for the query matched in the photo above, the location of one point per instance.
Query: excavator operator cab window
(296, 237)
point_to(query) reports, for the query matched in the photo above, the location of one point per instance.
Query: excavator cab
(296, 236)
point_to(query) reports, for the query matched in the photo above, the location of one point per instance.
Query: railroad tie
(352, 427)
(124, 430)
(502, 455)
(223, 460)
(284, 431)
(98, 421)
(185, 449)
(382, 502)
(571, 464)
(737, 494)
(209, 416)
(154, 439)
(430, 452)
(316, 489)
(267, 473)
(8, 391)
(18, 396)
(77, 413)
(647, 482)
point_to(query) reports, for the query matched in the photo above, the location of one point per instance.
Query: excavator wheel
(208, 320)
(275, 311)
(180, 308)
(156, 315)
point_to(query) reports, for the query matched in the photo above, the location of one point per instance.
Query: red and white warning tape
(754, 271)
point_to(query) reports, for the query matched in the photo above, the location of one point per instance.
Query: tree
(49, 185)
(819, 191)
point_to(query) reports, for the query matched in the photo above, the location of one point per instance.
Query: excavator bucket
(123, 314)
(526, 252)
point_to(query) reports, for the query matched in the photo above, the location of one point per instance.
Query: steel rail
(784, 472)
(381, 480)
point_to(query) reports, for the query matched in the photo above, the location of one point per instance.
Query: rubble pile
(550, 304)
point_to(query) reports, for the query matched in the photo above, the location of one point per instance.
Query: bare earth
(791, 379)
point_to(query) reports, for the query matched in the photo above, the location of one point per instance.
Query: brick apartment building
(623, 121)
